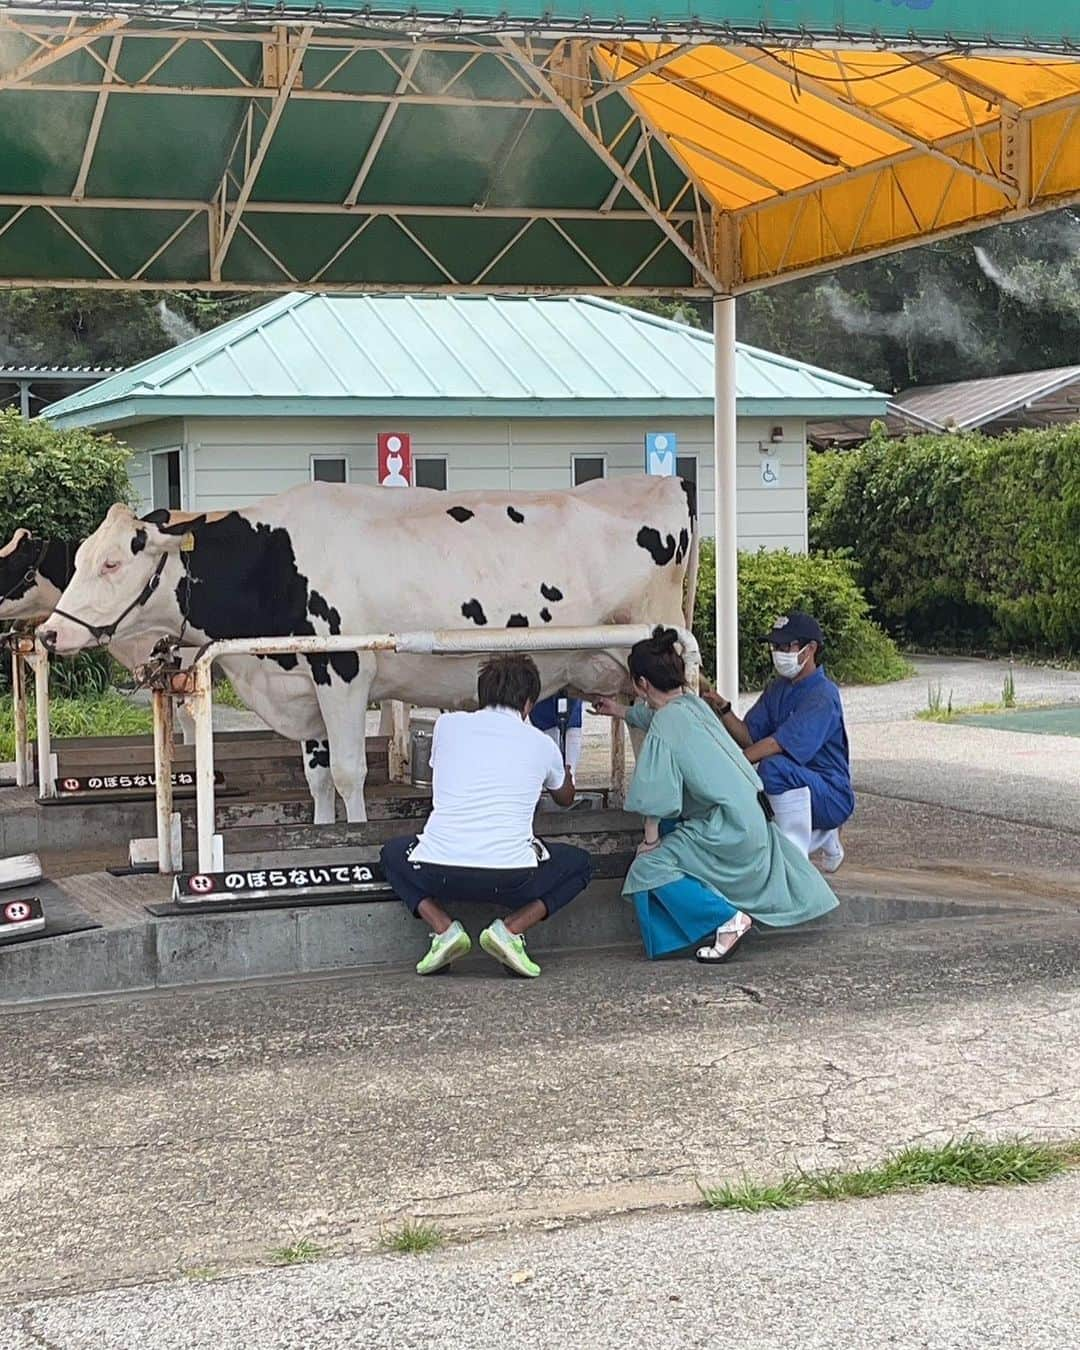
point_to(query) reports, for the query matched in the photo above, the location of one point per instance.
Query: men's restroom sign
(395, 459)
(661, 447)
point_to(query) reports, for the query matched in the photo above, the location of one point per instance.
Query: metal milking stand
(26, 650)
(162, 675)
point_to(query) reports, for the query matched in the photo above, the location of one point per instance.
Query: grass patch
(297, 1253)
(967, 1162)
(939, 707)
(104, 714)
(413, 1236)
(226, 696)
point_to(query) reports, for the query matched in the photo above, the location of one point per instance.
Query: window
(686, 467)
(329, 469)
(165, 480)
(430, 471)
(588, 467)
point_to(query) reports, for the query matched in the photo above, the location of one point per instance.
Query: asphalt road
(942, 1270)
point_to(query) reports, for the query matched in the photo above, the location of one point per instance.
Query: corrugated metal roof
(974, 403)
(339, 354)
(13, 372)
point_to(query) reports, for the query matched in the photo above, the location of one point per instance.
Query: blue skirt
(679, 915)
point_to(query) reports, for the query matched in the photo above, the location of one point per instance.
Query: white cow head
(124, 585)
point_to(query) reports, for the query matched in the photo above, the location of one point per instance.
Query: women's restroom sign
(395, 459)
(661, 447)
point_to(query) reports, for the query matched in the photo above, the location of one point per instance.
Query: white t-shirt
(488, 770)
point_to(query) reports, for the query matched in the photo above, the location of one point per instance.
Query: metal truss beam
(540, 79)
(92, 134)
(288, 80)
(51, 52)
(935, 149)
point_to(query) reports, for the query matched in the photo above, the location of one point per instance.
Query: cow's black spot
(515, 516)
(138, 543)
(545, 614)
(461, 514)
(346, 664)
(551, 593)
(691, 497)
(472, 610)
(318, 753)
(18, 572)
(662, 551)
(517, 621)
(57, 563)
(684, 544)
(244, 582)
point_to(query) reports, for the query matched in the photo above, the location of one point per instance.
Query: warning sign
(126, 782)
(24, 915)
(202, 888)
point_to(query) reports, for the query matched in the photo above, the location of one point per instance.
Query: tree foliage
(961, 541)
(772, 583)
(105, 328)
(59, 484)
(1002, 300)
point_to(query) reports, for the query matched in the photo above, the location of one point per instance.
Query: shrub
(856, 651)
(960, 542)
(57, 483)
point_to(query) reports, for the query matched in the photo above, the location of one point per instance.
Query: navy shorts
(556, 881)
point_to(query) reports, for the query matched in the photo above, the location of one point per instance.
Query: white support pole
(24, 774)
(46, 770)
(201, 707)
(724, 513)
(163, 789)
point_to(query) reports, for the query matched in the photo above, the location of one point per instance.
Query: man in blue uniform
(795, 737)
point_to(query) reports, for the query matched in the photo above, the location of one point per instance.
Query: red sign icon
(16, 911)
(395, 459)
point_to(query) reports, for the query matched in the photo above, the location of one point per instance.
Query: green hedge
(856, 650)
(959, 541)
(57, 483)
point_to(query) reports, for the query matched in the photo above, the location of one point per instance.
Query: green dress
(690, 769)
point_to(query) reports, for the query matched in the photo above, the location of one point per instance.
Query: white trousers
(573, 745)
(793, 818)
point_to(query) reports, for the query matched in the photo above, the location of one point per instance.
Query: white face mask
(788, 664)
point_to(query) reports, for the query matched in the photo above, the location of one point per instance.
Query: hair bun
(666, 640)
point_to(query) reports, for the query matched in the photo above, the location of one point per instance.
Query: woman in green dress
(710, 861)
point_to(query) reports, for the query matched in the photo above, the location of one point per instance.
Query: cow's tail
(692, 568)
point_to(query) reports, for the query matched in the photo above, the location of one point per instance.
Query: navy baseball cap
(795, 627)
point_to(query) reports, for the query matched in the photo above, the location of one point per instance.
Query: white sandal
(726, 940)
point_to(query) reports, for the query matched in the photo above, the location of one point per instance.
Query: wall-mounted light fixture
(776, 435)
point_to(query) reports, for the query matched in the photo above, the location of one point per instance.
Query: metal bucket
(420, 754)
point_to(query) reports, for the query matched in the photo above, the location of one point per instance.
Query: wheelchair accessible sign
(661, 448)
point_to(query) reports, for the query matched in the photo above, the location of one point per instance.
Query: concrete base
(134, 951)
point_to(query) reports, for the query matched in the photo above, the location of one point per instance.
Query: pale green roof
(470, 356)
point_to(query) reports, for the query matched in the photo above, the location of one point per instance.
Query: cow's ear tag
(187, 543)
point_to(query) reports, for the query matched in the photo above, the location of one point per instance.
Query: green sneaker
(509, 948)
(445, 947)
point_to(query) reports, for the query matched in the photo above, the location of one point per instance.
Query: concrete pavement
(147, 1136)
(941, 1270)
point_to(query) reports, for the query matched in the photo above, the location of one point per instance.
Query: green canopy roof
(447, 356)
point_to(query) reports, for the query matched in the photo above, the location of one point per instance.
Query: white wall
(166, 434)
(234, 462)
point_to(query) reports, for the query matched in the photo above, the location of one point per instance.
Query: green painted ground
(1060, 721)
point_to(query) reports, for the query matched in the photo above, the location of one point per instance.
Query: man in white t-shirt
(488, 771)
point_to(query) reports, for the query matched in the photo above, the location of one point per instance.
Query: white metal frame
(27, 653)
(196, 684)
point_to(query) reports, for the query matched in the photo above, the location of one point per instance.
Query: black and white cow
(33, 575)
(330, 559)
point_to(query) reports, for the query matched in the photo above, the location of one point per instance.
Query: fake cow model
(327, 559)
(34, 573)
